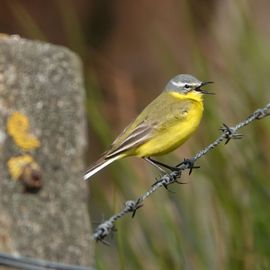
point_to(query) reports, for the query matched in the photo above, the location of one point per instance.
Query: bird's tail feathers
(99, 165)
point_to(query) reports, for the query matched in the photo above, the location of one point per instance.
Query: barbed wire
(131, 206)
(19, 262)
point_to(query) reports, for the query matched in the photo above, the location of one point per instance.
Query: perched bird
(165, 124)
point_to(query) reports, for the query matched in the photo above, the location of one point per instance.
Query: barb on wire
(165, 180)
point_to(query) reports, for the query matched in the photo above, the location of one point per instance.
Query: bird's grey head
(184, 83)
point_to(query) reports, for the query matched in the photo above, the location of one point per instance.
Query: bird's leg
(148, 159)
(157, 164)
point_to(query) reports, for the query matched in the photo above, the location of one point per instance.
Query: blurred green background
(130, 49)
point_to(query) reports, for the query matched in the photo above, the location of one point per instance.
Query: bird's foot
(189, 163)
(168, 179)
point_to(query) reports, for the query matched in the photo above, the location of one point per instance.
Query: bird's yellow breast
(180, 123)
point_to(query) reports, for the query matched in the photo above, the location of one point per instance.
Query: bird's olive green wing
(139, 135)
(159, 115)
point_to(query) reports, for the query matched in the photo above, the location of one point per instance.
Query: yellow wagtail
(165, 124)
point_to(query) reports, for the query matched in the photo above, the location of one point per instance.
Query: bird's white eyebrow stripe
(178, 83)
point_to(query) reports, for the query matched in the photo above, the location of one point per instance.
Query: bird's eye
(186, 85)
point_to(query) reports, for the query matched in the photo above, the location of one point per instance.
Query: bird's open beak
(204, 91)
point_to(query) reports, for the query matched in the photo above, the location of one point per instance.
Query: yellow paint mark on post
(18, 128)
(26, 141)
(16, 165)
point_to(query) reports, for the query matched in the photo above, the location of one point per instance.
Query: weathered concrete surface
(44, 82)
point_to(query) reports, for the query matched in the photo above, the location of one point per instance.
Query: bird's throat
(195, 95)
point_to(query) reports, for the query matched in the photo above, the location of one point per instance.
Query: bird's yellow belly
(172, 137)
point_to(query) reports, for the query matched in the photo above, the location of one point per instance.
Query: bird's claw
(190, 165)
